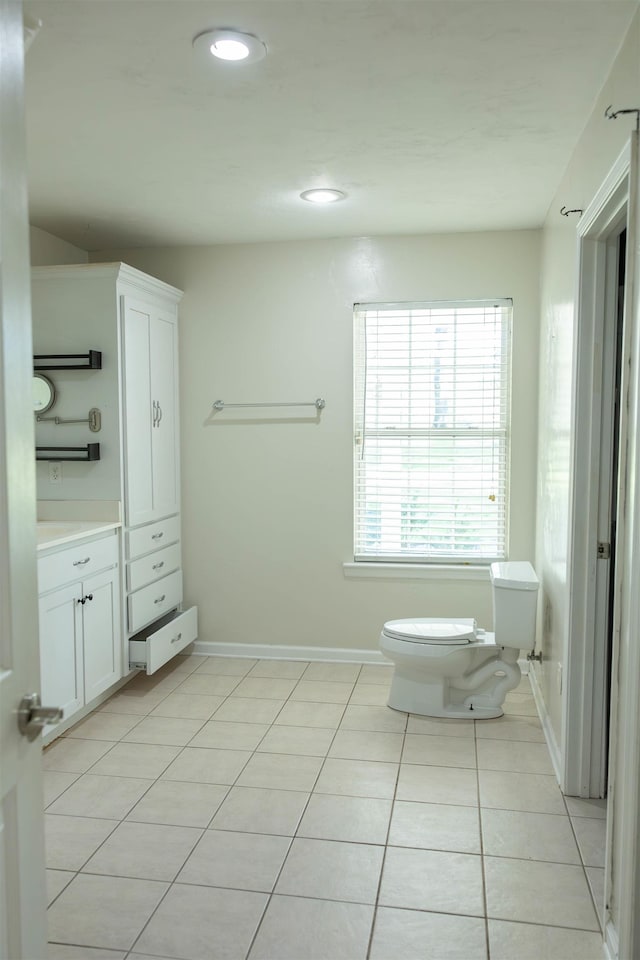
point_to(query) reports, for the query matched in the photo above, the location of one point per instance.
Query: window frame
(502, 434)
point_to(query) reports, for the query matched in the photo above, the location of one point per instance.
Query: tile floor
(226, 809)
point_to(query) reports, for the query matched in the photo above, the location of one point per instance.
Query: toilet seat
(433, 630)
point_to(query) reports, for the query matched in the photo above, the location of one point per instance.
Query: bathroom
(258, 319)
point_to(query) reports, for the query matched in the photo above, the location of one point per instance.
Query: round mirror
(44, 393)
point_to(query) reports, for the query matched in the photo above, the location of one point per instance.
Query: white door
(22, 875)
(164, 441)
(100, 623)
(61, 648)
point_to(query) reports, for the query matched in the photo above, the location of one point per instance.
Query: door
(139, 412)
(61, 648)
(22, 875)
(100, 623)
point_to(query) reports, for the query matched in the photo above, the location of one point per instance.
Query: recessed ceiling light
(322, 195)
(231, 45)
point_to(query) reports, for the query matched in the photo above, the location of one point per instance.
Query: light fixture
(322, 195)
(231, 45)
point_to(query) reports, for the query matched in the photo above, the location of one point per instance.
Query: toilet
(453, 668)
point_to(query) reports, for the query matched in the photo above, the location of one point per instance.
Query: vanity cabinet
(80, 630)
(132, 319)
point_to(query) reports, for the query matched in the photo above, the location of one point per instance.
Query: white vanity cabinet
(132, 319)
(80, 628)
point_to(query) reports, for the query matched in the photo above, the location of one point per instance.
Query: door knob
(32, 716)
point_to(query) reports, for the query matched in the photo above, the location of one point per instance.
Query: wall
(599, 146)
(47, 250)
(267, 500)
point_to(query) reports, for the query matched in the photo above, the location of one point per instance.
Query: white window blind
(432, 431)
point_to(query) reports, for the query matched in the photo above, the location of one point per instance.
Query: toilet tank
(514, 585)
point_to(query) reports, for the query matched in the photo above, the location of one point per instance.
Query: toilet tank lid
(514, 575)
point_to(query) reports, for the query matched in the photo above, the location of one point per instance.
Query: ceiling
(432, 116)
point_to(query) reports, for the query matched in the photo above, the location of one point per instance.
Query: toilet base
(427, 700)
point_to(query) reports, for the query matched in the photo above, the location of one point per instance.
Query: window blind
(432, 431)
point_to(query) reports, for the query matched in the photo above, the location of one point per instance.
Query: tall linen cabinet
(132, 319)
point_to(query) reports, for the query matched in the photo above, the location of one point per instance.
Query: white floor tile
(70, 841)
(514, 756)
(267, 688)
(322, 691)
(243, 861)
(527, 941)
(303, 741)
(57, 880)
(109, 798)
(358, 778)
(296, 928)
(367, 745)
(352, 819)
(528, 836)
(74, 756)
(55, 783)
(148, 851)
(342, 672)
(309, 714)
(64, 951)
(561, 893)
(595, 879)
(510, 728)
(135, 760)
(103, 911)
(536, 793)
(370, 694)
(279, 669)
(194, 922)
(261, 810)
(204, 765)
(331, 870)
(432, 880)
(277, 771)
(367, 717)
(430, 784)
(431, 726)
(208, 684)
(583, 807)
(230, 736)
(591, 836)
(171, 731)
(372, 673)
(104, 726)
(409, 934)
(439, 751)
(188, 707)
(179, 804)
(435, 826)
(227, 666)
(248, 710)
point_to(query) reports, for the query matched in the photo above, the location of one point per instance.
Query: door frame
(584, 705)
(620, 190)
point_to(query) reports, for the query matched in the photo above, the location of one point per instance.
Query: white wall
(47, 250)
(599, 146)
(267, 506)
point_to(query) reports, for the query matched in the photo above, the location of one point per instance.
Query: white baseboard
(611, 950)
(547, 728)
(268, 651)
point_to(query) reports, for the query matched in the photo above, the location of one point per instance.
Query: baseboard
(547, 728)
(268, 651)
(611, 949)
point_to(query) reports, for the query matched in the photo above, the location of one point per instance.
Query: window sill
(413, 571)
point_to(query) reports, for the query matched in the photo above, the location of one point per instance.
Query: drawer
(151, 537)
(152, 567)
(153, 650)
(154, 601)
(77, 562)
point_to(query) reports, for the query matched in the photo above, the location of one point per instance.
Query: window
(432, 431)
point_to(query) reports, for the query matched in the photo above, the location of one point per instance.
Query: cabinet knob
(81, 563)
(160, 599)
(158, 566)
(157, 536)
(176, 639)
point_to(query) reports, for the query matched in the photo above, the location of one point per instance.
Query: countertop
(55, 533)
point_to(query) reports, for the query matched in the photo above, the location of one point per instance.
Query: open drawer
(160, 641)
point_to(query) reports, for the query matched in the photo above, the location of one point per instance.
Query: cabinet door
(150, 416)
(164, 439)
(61, 666)
(139, 412)
(101, 633)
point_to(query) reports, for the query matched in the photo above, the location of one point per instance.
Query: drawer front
(158, 647)
(153, 567)
(154, 601)
(77, 562)
(152, 537)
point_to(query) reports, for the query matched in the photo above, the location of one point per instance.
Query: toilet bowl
(453, 668)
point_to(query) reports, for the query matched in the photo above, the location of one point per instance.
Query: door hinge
(604, 550)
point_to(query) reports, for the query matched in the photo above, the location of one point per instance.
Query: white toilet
(452, 668)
